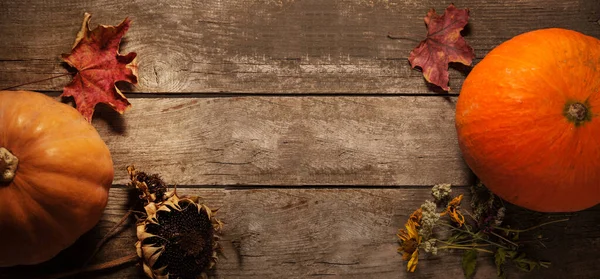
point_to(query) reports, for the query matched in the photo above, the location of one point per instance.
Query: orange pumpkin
(56, 173)
(527, 120)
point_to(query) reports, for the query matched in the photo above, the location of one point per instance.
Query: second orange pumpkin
(527, 120)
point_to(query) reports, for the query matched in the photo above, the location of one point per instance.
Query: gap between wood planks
(298, 187)
(200, 95)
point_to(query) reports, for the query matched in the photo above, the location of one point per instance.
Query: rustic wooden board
(336, 233)
(366, 141)
(293, 173)
(267, 46)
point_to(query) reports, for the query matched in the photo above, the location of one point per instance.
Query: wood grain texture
(360, 141)
(268, 46)
(291, 172)
(337, 233)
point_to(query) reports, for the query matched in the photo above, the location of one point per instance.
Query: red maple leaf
(95, 56)
(443, 45)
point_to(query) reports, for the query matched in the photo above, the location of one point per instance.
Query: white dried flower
(429, 246)
(429, 219)
(434, 251)
(441, 191)
(500, 216)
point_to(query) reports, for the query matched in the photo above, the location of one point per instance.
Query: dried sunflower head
(177, 239)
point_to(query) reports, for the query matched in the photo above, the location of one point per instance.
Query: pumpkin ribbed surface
(527, 120)
(61, 184)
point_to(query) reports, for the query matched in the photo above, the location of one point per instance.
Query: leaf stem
(394, 37)
(35, 81)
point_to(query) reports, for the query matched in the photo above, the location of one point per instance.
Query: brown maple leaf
(95, 56)
(443, 45)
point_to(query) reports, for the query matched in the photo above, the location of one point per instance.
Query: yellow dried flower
(416, 217)
(454, 212)
(410, 241)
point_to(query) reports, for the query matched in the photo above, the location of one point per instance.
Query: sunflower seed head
(178, 237)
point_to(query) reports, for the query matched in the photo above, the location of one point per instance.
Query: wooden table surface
(300, 120)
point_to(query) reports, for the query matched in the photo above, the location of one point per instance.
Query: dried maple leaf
(95, 56)
(443, 45)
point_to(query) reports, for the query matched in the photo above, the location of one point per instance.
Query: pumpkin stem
(8, 165)
(577, 111)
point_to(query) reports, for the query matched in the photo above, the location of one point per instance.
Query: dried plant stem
(468, 213)
(531, 228)
(503, 238)
(474, 236)
(109, 234)
(465, 248)
(463, 245)
(96, 267)
(36, 81)
(545, 264)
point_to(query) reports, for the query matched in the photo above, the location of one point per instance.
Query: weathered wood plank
(288, 140)
(267, 46)
(337, 233)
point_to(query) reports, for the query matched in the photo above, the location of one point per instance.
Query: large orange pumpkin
(527, 120)
(56, 173)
